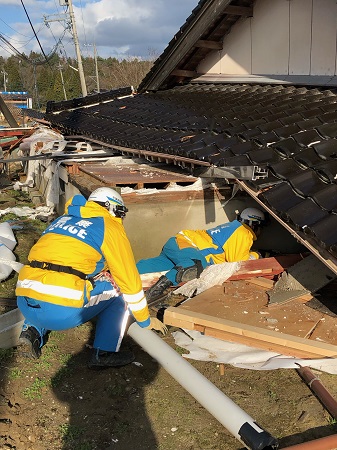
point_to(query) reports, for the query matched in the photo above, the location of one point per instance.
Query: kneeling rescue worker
(81, 268)
(185, 255)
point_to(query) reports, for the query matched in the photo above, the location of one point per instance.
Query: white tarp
(206, 348)
(211, 276)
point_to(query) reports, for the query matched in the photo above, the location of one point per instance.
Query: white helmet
(109, 199)
(252, 217)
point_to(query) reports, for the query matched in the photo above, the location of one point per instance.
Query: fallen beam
(256, 337)
(228, 413)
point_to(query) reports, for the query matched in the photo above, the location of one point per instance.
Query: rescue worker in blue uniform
(81, 268)
(185, 255)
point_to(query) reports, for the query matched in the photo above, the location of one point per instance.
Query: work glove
(156, 324)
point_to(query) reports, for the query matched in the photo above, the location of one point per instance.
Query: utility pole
(5, 79)
(64, 89)
(77, 49)
(96, 67)
(59, 18)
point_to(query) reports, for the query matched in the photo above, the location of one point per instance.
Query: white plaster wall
(300, 38)
(240, 59)
(270, 37)
(323, 53)
(284, 37)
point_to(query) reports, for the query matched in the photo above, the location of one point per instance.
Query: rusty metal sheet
(135, 175)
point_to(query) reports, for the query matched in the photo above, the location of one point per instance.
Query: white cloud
(118, 27)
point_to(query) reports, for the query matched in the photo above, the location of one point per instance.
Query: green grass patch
(15, 374)
(35, 390)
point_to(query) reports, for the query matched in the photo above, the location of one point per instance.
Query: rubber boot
(189, 273)
(29, 344)
(159, 289)
(101, 359)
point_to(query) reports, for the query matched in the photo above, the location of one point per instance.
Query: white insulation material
(7, 244)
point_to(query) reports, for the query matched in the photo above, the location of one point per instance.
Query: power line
(34, 32)
(12, 28)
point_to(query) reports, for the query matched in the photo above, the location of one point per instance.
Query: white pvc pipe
(228, 413)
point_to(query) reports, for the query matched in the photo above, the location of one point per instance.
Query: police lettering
(79, 232)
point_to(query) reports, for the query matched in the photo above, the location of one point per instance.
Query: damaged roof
(280, 140)
(274, 138)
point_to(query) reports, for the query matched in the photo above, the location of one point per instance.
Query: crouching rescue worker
(189, 252)
(82, 268)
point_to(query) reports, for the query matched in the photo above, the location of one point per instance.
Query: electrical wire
(12, 28)
(34, 32)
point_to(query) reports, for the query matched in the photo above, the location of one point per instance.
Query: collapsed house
(239, 110)
(243, 99)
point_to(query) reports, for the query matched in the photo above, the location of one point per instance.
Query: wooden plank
(273, 265)
(250, 335)
(226, 336)
(184, 73)
(215, 45)
(263, 282)
(239, 10)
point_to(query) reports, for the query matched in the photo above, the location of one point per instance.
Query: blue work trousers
(170, 259)
(105, 305)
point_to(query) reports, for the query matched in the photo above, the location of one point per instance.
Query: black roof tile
(328, 130)
(264, 155)
(324, 231)
(281, 198)
(304, 214)
(326, 198)
(290, 130)
(326, 148)
(307, 158)
(306, 182)
(327, 171)
(285, 169)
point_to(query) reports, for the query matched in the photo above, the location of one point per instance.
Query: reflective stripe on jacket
(228, 242)
(88, 239)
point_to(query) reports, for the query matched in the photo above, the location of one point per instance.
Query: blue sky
(118, 28)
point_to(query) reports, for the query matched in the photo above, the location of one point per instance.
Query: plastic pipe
(228, 413)
(326, 443)
(319, 390)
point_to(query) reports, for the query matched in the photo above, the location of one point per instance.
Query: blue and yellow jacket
(90, 240)
(228, 242)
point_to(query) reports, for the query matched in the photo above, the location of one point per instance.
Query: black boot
(29, 344)
(189, 273)
(159, 289)
(101, 359)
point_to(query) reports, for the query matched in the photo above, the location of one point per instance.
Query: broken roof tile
(288, 129)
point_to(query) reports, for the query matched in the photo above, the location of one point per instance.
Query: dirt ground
(57, 403)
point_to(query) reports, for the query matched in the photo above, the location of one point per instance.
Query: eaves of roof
(202, 32)
(280, 141)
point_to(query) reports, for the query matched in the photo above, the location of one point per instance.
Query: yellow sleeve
(119, 256)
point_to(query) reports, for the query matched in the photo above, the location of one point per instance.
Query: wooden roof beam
(214, 45)
(184, 73)
(245, 11)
